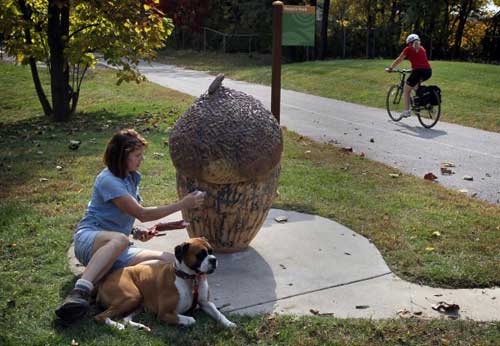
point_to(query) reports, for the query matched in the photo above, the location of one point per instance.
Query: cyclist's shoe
(406, 114)
(74, 307)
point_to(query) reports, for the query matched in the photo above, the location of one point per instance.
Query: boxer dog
(166, 289)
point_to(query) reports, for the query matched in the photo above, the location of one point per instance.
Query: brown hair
(119, 147)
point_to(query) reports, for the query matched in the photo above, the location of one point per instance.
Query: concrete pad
(310, 262)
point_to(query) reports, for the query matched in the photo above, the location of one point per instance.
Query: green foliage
(124, 31)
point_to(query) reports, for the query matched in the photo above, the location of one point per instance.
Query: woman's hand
(144, 234)
(193, 199)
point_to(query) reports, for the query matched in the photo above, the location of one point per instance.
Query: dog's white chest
(185, 295)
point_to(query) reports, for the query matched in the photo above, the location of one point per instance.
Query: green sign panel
(298, 26)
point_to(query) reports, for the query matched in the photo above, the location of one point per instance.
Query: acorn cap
(226, 136)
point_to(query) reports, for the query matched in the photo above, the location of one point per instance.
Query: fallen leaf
(463, 191)
(404, 313)
(347, 253)
(348, 149)
(430, 176)
(362, 307)
(446, 171)
(394, 175)
(436, 234)
(74, 145)
(429, 248)
(281, 218)
(468, 177)
(448, 164)
(445, 307)
(43, 180)
(317, 313)
(59, 168)
(282, 266)
(307, 152)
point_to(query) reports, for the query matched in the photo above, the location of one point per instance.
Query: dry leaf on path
(430, 176)
(446, 307)
(281, 218)
(446, 171)
(317, 313)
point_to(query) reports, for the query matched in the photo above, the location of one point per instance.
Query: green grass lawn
(469, 91)
(41, 203)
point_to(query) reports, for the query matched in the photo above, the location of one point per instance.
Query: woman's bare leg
(107, 247)
(406, 96)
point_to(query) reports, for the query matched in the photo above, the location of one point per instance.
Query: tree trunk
(58, 31)
(324, 30)
(463, 14)
(47, 110)
(369, 26)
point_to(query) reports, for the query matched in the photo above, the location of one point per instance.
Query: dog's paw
(186, 320)
(114, 324)
(230, 324)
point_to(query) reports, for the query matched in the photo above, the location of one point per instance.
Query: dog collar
(185, 276)
(195, 288)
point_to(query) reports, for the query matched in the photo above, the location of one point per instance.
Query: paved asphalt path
(405, 145)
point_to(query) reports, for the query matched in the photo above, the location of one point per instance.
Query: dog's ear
(180, 250)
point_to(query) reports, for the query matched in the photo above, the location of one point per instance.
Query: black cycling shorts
(419, 75)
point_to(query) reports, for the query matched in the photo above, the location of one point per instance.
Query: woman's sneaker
(406, 114)
(74, 306)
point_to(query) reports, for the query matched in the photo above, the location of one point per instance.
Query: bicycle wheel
(429, 114)
(394, 102)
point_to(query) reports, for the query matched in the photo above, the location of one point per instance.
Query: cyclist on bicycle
(421, 69)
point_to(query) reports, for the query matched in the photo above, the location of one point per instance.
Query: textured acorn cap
(226, 136)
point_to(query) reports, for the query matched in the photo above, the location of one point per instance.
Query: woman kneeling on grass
(102, 236)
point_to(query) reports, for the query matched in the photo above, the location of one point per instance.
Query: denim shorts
(84, 243)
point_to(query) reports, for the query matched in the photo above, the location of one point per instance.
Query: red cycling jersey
(417, 59)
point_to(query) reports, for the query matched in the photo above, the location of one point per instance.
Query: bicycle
(425, 103)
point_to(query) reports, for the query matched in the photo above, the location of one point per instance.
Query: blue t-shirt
(102, 213)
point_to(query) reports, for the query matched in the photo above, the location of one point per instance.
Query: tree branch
(81, 29)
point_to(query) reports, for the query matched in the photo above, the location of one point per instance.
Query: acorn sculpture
(229, 146)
